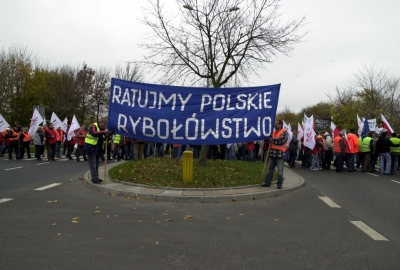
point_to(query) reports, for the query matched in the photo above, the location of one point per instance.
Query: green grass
(167, 172)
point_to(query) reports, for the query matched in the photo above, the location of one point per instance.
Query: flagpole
(265, 163)
(105, 160)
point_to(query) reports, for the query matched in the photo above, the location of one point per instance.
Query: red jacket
(50, 134)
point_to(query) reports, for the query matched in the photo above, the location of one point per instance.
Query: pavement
(291, 182)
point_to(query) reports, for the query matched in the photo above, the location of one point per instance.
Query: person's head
(103, 122)
(278, 124)
(352, 130)
(82, 126)
(394, 134)
(370, 134)
(341, 133)
(40, 128)
(383, 134)
(50, 125)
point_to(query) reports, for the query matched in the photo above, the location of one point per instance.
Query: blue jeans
(385, 158)
(395, 160)
(350, 162)
(94, 161)
(315, 162)
(274, 162)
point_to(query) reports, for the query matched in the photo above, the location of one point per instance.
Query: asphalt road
(69, 226)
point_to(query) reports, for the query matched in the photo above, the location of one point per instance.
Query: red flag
(335, 130)
(386, 125)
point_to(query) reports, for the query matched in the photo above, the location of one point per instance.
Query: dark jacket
(383, 145)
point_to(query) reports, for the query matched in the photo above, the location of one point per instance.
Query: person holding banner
(93, 147)
(278, 147)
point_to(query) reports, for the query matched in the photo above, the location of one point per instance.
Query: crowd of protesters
(348, 152)
(52, 143)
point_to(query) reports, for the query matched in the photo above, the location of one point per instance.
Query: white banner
(36, 120)
(74, 126)
(3, 123)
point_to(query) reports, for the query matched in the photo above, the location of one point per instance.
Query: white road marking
(4, 200)
(42, 163)
(368, 230)
(329, 202)
(372, 174)
(13, 168)
(396, 182)
(48, 186)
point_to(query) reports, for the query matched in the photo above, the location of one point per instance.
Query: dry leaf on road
(54, 224)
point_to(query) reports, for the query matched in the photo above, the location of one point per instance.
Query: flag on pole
(346, 139)
(55, 121)
(36, 120)
(300, 133)
(309, 133)
(386, 125)
(288, 129)
(360, 125)
(74, 126)
(335, 130)
(365, 128)
(64, 125)
(3, 123)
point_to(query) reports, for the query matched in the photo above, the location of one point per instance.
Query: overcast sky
(344, 36)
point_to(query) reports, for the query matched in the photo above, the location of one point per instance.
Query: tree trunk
(203, 156)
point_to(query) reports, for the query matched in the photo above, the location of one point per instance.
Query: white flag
(55, 121)
(3, 124)
(64, 126)
(74, 126)
(288, 129)
(300, 133)
(36, 120)
(360, 125)
(309, 133)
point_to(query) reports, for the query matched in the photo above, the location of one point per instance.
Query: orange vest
(58, 135)
(276, 135)
(27, 137)
(336, 144)
(14, 134)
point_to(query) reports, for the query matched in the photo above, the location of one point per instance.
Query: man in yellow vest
(93, 147)
(278, 147)
(395, 152)
(366, 147)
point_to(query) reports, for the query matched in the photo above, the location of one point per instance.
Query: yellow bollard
(187, 166)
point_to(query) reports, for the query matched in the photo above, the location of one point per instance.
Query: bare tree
(130, 72)
(216, 41)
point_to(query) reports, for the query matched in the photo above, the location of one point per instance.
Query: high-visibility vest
(365, 145)
(276, 135)
(91, 139)
(14, 134)
(336, 144)
(395, 141)
(58, 135)
(27, 137)
(117, 138)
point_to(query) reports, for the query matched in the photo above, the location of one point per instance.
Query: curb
(292, 183)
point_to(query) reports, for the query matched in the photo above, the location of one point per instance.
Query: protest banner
(192, 115)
